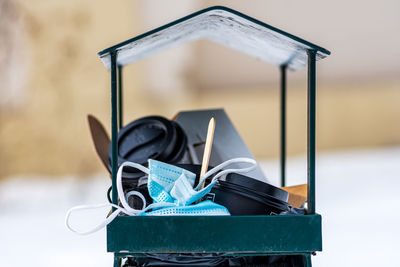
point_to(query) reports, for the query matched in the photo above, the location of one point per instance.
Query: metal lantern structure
(231, 235)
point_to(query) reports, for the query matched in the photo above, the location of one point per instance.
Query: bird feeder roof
(224, 26)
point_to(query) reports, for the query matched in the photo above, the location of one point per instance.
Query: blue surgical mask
(184, 193)
(172, 190)
(172, 184)
(204, 208)
(162, 178)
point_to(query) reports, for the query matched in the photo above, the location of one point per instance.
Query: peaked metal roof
(222, 25)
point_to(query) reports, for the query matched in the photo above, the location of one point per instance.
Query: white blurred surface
(357, 195)
(32, 229)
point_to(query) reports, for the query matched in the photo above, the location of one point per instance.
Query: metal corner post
(283, 125)
(307, 260)
(311, 118)
(120, 98)
(114, 129)
(117, 261)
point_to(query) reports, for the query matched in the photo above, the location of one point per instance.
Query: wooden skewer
(207, 150)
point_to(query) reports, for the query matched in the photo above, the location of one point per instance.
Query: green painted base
(237, 235)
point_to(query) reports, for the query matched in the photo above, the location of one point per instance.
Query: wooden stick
(207, 150)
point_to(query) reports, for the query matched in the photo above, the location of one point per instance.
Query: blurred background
(51, 78)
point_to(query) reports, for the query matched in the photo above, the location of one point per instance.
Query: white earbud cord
(131, 211)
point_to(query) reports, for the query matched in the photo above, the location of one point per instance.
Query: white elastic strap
(126, 208)
(97, 227)
(120, 190)
(110, 218)
(225, 164)
(131, 211)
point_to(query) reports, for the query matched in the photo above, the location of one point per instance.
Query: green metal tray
(238, 235)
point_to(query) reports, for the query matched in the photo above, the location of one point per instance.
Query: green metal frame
(120, 98)
(311, 116)
(114, 129)
(237, 235)
(283, 124)
(232, 235)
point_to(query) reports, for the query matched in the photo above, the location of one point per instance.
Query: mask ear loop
(153, 206)
(121, 196)
(126, 208)
(131, 211)
(225, 164)
(97, 227)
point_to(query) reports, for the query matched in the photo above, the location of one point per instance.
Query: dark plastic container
(257, 186)
(243, 195)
